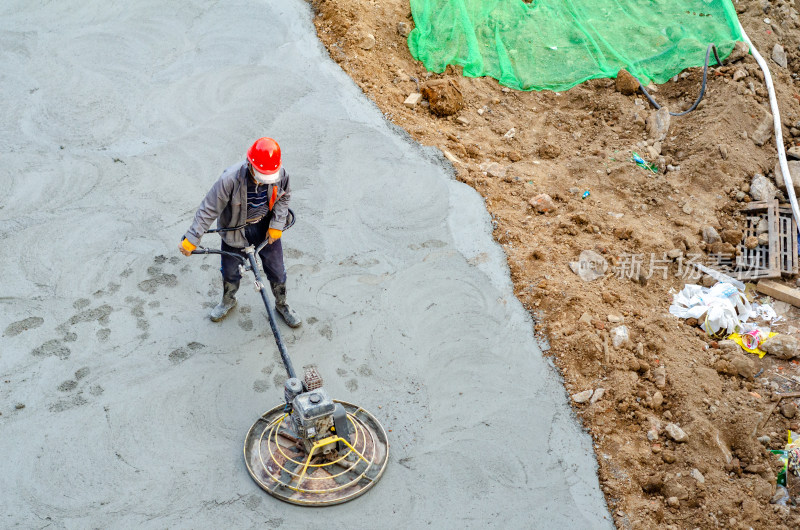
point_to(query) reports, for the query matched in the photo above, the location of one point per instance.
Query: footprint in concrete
(20, 326)
(179, 355)
(153, 304)
(67, 385)
(70, 337)
(99, 314)
(342, 372)
(434, 243)
(66, 404)
(292, 253)
(157, 278)
(278, 379)
(103, 334)
(80, 303)
(253, 501)
(205, 266)
(364, 370)
(268, 369)
(312, 320)
(245, 323)
(52, 348)
(326, 331)
(96, 390)
(351, 385)
(127, 272)
(81, 373)
(261, 385)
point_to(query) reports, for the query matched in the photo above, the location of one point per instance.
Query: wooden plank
(779, 291)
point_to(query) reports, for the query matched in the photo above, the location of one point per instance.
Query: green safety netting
(557, 44)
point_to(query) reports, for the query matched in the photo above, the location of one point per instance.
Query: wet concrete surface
(124, 406)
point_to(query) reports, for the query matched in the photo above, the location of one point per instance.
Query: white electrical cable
(776, 115)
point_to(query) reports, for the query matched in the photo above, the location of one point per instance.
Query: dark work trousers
(271, 255)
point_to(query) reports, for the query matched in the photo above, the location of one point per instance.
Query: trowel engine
(315, 417)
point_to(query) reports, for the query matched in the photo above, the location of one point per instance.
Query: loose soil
(564, 144)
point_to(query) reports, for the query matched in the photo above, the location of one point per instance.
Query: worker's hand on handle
(273, 236)
(186, 247)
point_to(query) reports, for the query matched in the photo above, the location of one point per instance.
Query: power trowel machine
(311, 450)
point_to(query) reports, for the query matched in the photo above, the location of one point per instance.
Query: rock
(462, 120)
(549, 151)
(514, 156)
(615, 319)
(734, 237)
(710, 235)
(762, 189)
(368, 42)
(763, 239)
(794, 171)
(676, 433)
(626, 84)
(675, 489)
(762, 227)
(509, 135)
(739, 74)
(403, 29)
(652, 435)
(729, 346)
(543, 203)
(782, 346)
(653, 484)
(751, 242)
(658, 400)
(675, 253)
(740, 51)
(764, 129)
(708, 281)
(723, 151)
(745, 366)
(495, 170)
(781, 496)
(444, 96)
(619, 336)
(598, 395)
(698, 476)
(789, 410)
(793, 153)
(668, 457)
(765, 440)
(722, 249)
(413, 99)
(590, 266)
(582, 397)
(587, 319)
(623, 233)
(779, 56)
(658, 124)
(673, 502)
(740, 195)
(660, 376)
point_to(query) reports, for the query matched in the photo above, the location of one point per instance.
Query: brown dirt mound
(515, 147)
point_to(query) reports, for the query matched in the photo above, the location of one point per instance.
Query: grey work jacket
(226, 203)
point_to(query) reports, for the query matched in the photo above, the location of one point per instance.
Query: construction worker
(254, 193)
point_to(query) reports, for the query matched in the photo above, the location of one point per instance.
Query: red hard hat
(265, 155)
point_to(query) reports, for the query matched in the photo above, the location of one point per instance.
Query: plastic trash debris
(721, 309)
(751, 340)
(641, 162)
(585, 194)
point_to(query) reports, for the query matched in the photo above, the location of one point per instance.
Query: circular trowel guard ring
(276, 460)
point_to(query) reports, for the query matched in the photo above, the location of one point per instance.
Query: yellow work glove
(186, 247)
(274, 233)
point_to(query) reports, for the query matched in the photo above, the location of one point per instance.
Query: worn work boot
(288, 314)
(228, 301)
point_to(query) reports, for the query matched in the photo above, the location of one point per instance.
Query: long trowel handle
(262, 288)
